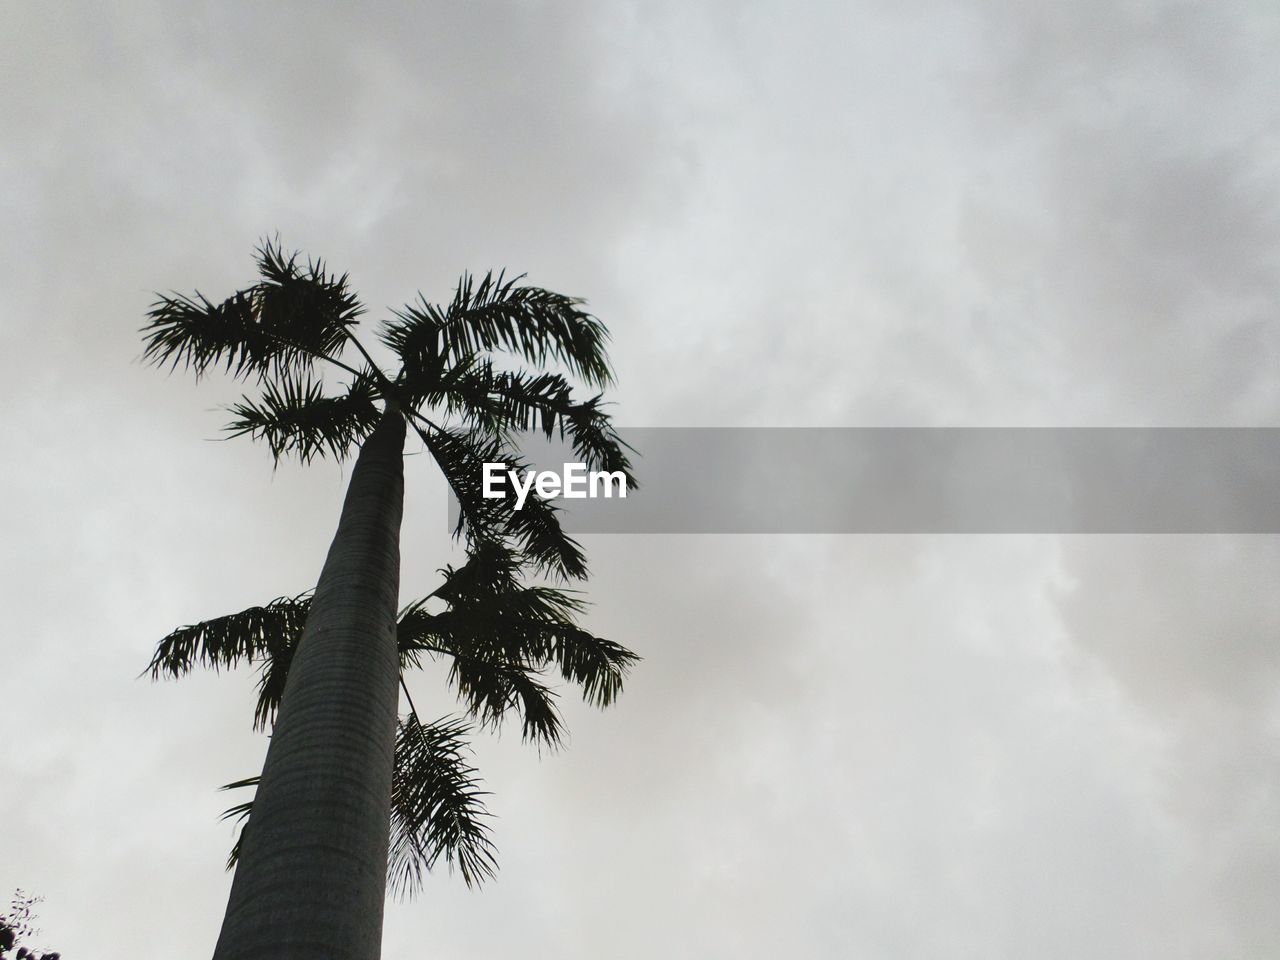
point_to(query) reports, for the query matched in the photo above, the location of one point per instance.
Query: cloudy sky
(980, 213)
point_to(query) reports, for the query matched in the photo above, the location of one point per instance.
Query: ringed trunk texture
(311, 880)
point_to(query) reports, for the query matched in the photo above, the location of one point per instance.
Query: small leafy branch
(18, 922)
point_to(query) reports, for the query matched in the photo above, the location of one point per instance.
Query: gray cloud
(963, 214)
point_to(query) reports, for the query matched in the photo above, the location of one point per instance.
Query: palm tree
(313, 858)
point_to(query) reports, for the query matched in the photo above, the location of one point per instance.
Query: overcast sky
(865, 213)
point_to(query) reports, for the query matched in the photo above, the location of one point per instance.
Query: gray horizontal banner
(933, 480)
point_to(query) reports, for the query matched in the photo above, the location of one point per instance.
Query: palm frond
(294, 416)
(294, 315)
(266, 635)
(509, 637)
(460, 455)
(499, 314)
(497, 402)
(225, 641)
(491, 567)
(241, 813)
(305, 304)
(490, 686)
(502, 634)
(436, 806)
(490, 674)
(195, 332)
(597, 665)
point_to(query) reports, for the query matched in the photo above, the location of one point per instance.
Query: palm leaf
(493, 651)
(294, 315)
(304, 304)
(238, 812)
(499, 314)
(490, 686)
(266, 635)
(436, 807)
(460, 455)
(501, 634)
(537, 623)
(294, 416)
(597, 665)
(496, 402)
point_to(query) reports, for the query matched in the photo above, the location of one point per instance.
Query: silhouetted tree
(313, 858)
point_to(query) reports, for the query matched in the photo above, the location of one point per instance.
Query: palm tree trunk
(311, 880)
